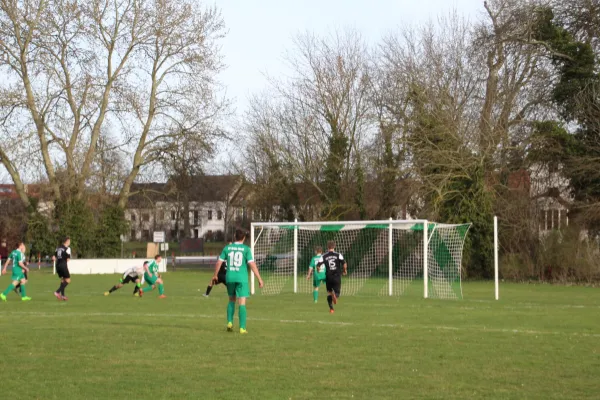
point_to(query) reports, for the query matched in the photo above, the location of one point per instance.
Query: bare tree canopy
(84, 79)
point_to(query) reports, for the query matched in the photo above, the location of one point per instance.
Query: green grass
(538, 342)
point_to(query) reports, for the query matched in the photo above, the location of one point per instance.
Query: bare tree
(77, 71)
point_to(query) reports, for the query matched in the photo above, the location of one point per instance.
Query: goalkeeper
(318, 273)
(133, 274)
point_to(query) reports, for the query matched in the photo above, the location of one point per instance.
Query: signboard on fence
(159, 237)
(191, 246)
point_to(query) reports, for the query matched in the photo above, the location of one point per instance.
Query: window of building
(219, 215)
(209, 215)
(173, 216)
(182, 234)
(132, 235)
(133, 217)
(173, 234)
(160, 216)
(146, 234)
(196, 217)
(145, 217)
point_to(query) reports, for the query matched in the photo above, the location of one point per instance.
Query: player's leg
(13, 284)
(23, 283)
(65, 284)
(115, 287)
(209, 288)
(231, 289)
(316, 284)
(161, 288)
(150, 281)
(242, 292)
(138, 286)
(330, 293)
(57, 292)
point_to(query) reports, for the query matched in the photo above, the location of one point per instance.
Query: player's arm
(345, 268)
(23, 265)
(5, 266)
(147, 270)
(310, 271)
(254, 269)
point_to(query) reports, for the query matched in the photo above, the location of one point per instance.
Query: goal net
(385, 258)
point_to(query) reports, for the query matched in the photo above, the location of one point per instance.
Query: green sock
(23, 290)
(161, 289)
(149, 288)
(9, 289)
(243, 317)
(139, 284)
(315, 295)
(230, 311)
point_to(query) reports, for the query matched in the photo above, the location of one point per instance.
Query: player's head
(318, 249)
(157, 258)
(67, 241)
(21, 246)
(330, 245)
(240, 235)
(146, 263)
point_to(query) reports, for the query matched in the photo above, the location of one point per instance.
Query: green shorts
(317, 282)
(17, 276)
(238, 289)
(150, 280)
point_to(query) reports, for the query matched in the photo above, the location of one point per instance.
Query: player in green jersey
(152, 277)
(19, 269)
(238, 257)
(317, 273)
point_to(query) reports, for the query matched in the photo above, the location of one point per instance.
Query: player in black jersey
(62, 257)
(220, 279)
(335, 267)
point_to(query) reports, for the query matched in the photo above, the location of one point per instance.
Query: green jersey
(318, 271)
(153, 268)
(17, 256)
(237, 256)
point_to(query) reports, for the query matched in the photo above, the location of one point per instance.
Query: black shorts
(334, 284)
(221, 279)
(129, 278)
(63, 271)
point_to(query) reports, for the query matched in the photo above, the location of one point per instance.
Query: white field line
(8, 314)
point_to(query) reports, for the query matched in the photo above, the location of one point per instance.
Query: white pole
(295, 256)
(390, 255)
(252, 291)
(54, 267)
(496, 285)
(425, 257)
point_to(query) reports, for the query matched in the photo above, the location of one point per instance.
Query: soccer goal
(386, 258)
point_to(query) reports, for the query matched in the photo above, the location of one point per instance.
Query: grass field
(538, 342)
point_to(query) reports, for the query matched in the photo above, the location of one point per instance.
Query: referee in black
(62, 257)
(334, 265)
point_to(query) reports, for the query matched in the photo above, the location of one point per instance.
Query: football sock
(136, 288)
(113, 289)
(330, 302)
(161, 289)
(23, 290)
(64, 286)
(243, 317)
(8, 289)
(148, 288)
(315, 295)
(208, 289)
(230, 311)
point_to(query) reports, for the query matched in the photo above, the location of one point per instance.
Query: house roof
(202, 189)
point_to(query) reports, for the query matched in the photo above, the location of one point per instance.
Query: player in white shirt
(133, 274)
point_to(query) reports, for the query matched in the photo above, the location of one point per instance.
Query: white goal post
(387, 258)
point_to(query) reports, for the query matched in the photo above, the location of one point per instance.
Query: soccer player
(133, 274)
(221, 278)
(18, 287)
(153, 278)
(238, 257)
(334, 262)
(62, 257)
(17, 257)
(318, 274)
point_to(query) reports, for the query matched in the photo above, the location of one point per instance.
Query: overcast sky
(260, 31)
